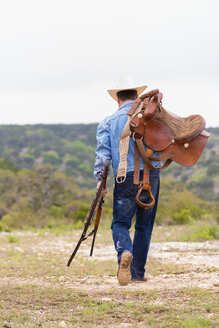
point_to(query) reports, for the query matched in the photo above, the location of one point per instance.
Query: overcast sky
(57, 58)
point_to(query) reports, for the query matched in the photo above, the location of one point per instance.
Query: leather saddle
(177, 139)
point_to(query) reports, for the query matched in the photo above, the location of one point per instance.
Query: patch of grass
(95, 268)
(156, 267)
(196, 323)
(49, 305)
(200, 233)
(12, 239)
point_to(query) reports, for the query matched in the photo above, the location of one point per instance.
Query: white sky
(57, 58)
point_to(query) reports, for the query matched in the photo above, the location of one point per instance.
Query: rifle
(97, 202)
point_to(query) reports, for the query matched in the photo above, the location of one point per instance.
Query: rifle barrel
(89, 216)
(93, 241)
(75, 250)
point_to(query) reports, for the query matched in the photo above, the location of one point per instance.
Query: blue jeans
(124, 208)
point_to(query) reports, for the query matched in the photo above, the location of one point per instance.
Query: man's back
(108, 141)
(108, 134)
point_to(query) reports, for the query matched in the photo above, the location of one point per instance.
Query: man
(131, 256)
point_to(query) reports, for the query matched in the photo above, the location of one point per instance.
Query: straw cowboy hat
(126, 83)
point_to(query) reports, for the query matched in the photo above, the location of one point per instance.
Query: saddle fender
(157, 136)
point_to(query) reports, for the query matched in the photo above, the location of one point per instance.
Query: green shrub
(71, 160)
(197, 212)
(85, 168)
(55, 211)
(7, 165)
(26, 159)
(196, 323)
(8, 220)
(12, 239)
(200, 232)
(51, 157)
(184, 216)
(78, 225)
(81, 213)
(20, 219)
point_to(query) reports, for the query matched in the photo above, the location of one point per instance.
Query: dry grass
(37, 289)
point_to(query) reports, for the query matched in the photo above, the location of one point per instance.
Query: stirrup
(145, 186)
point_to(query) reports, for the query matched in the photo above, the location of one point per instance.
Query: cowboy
(132, 255)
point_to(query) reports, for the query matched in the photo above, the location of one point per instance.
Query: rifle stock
(89, 216)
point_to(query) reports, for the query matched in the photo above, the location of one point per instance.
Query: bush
(51, 157)
(55, 212)
(71, 160)
(213, 168)
(184, 216)
(201, 232)
(85, 168)
(8, 221)
(181, 206)
(12, 239)
(26, 160)
(7, 165)
(197, 212)
(81, 213)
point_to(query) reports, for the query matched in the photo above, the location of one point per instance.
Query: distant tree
(51, 157)
(7, 165)
(213, 168)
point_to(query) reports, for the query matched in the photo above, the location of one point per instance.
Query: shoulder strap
(124, 141)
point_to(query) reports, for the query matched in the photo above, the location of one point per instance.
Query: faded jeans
(124, 208)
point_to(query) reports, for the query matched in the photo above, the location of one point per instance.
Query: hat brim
(113, 92)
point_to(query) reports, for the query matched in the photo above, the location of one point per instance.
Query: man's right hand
(104, 191)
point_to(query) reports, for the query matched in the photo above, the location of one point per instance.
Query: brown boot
(124, 274)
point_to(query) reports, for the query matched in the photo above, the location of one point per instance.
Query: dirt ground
(196, 256)
(34, 261)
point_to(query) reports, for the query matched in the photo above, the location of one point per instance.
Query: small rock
(164, 276)
(62, 324)
(106, 299)
(6, 326)
(19, 249)
(62, 278)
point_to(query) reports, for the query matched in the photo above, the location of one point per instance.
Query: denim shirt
(108, 139)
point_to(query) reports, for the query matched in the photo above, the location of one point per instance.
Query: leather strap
(134, 106)
(149, 153)
(147, 160)
(124, 142)
(149, 94)
(137, 166)
(145, 185)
